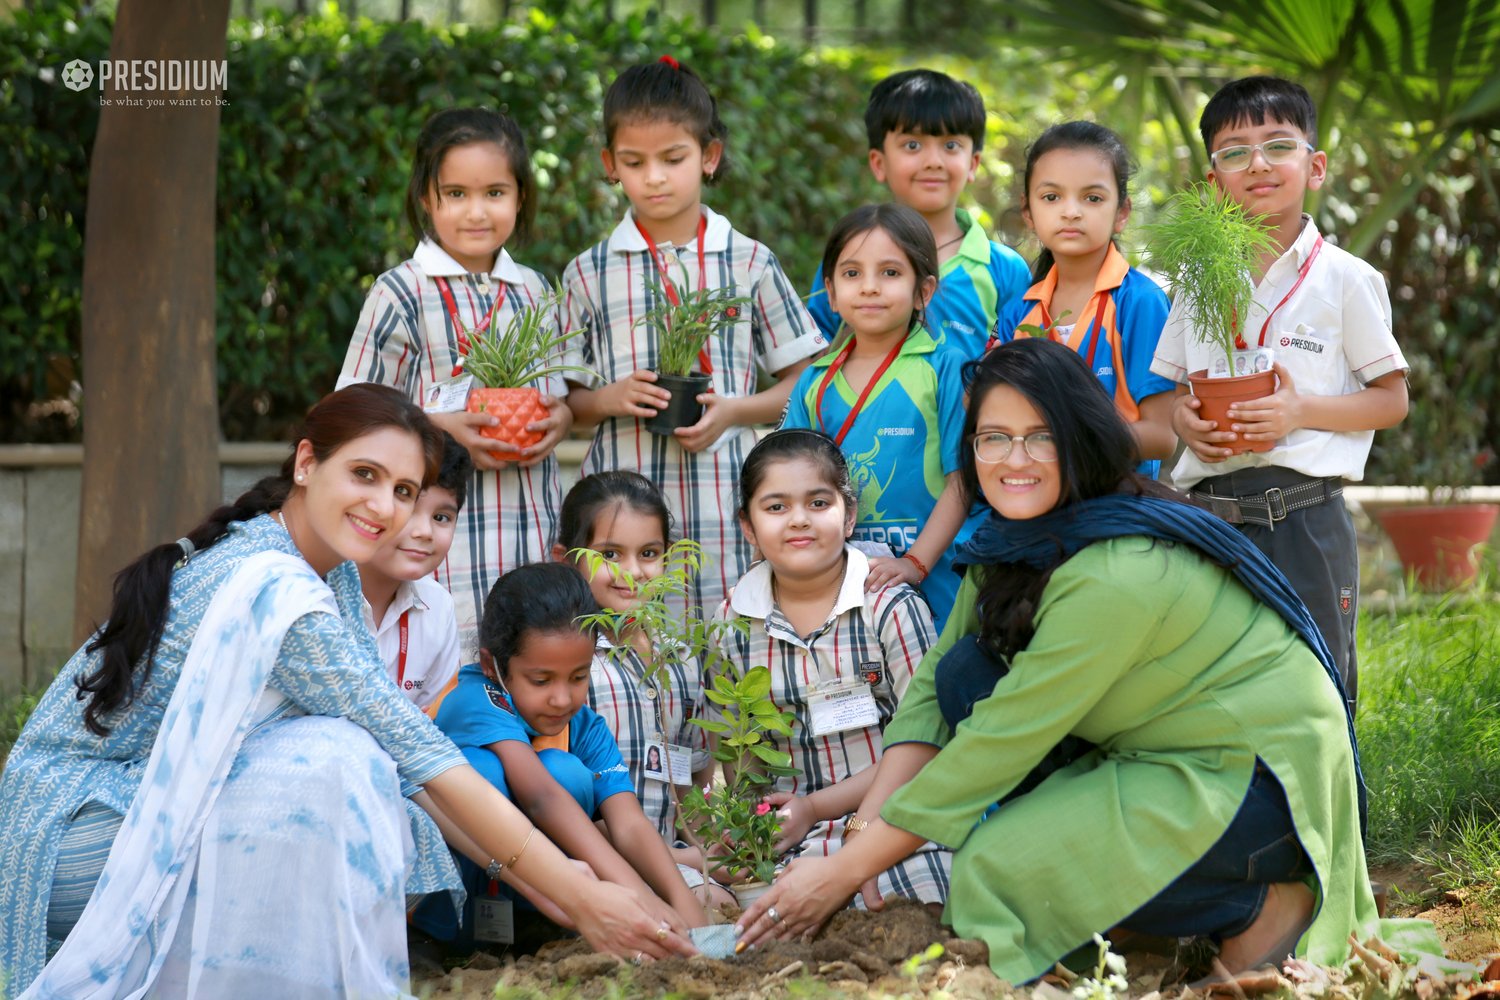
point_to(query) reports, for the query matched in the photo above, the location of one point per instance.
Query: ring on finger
(773, 916)
(661, 932)
(640, 957)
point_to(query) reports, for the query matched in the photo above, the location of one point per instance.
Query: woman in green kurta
(1122, 628)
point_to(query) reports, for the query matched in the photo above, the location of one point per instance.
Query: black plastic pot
(683, 410)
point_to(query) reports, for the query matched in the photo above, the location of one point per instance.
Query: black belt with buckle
(1273, 505)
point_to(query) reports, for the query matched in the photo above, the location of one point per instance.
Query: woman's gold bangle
(494, 868)
(525, 844)
(853, 825)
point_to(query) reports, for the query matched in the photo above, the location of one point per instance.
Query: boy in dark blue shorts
(1325, 317)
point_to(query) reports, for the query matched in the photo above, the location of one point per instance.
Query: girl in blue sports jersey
(1086, 294)
(891, 400)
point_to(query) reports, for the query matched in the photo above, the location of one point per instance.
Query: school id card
(660, 755)
(450, 395)
(494, 920)
(1247, 362)
(841, 706)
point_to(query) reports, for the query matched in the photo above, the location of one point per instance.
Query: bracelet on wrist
(917, 563)
(495, 867)
(853, 825)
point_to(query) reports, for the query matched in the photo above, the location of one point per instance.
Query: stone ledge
(40, 456)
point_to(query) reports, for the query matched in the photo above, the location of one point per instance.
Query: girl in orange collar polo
(1086, 294)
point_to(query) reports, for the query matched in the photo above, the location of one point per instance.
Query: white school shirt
(432, 648)
(1333, 335)
(405, 338)
(608, 287)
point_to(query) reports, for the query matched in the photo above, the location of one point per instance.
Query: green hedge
(323, 112)
(314, 151)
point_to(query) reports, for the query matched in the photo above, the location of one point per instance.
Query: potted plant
(1204, 245)
(728, 822)
(505, 365)
(733, 815)
(1439, 448)
(683, 322)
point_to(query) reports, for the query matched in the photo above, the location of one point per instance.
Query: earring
(301, 477)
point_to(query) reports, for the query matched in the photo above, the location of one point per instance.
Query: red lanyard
(1092, 333)
(458, 325)
(403, 627)
(704, 361)
(859, 403)
(1301, 277)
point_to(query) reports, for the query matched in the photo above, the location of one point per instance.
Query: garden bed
(887, 954)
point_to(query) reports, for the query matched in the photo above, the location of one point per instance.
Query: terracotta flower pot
(516, 408)
(683, 410)
(1436, 544)
(1217, 394)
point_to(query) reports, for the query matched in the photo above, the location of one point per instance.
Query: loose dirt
(860, 953)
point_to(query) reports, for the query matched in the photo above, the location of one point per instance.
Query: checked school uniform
(608, 287)
(871, 641)
(639, 711)
(973, 284)
(407, 337)
(1327, 316)
(418, 639)
(901, 446)
(1116, 333)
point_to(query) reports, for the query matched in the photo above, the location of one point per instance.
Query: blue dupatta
(1046, 541)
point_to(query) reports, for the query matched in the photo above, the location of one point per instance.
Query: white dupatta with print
(194, 899)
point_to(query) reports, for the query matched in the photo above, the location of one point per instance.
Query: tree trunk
(151, 423)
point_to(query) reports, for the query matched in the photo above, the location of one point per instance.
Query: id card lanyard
(864, 395)
(446, 291)
(704, 361)
(1302, 273)
(403, 629)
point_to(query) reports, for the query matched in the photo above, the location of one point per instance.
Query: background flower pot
(1217, 393)
(683, 410)
(515, 408)
(1436, 544)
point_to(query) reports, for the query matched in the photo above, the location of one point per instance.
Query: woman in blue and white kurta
(876, 638)
(608, 287)
(314, 781)
(406, 337)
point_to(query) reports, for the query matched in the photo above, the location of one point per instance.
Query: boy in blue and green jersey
(926, 130)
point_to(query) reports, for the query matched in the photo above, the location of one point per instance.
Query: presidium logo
(153, 83)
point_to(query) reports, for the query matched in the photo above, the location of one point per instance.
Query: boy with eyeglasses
(1325, 315)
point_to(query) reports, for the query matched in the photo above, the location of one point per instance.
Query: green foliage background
(314, 155)
(323, 111)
